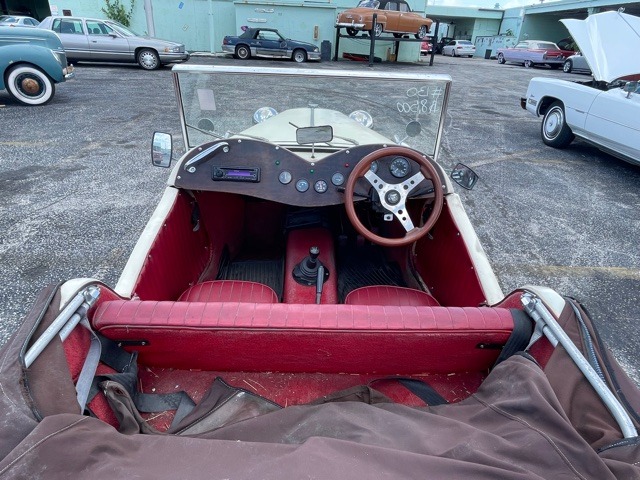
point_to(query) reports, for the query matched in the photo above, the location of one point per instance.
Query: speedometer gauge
(399, 167)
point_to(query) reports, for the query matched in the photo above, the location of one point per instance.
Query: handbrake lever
(319, 283)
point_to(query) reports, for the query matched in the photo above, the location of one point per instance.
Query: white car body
(601, 112)
(459, 48)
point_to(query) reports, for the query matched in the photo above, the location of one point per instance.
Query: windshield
(368, 4)
(222, 102)
(125, 31)
(548, 46)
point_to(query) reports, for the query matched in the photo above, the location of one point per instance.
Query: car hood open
(609, 43)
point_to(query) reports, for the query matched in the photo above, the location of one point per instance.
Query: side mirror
(308, 135)
(464, 176)
(630, 87)
(161, 148)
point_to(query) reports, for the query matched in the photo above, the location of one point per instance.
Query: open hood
(609, 41)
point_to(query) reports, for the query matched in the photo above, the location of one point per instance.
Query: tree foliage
(115, 11)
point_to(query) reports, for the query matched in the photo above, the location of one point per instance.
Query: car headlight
(177, 49)
(264, 113)
(363, 118)
(316, 49)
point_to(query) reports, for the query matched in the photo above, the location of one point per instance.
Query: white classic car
(603, 111)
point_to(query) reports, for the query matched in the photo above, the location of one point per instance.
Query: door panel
(74, 40)
(106, 44)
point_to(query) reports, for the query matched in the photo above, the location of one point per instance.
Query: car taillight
(459, 48)
(225, 41)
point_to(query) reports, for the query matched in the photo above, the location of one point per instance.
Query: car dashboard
(271, 172)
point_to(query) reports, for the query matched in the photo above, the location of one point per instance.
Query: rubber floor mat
(364, 267)
(268, 272)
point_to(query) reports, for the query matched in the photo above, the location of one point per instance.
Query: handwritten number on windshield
(421, 101)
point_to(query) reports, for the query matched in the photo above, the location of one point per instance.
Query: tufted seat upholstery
(229, 291)
(390, 295)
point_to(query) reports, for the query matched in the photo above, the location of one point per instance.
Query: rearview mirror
(161, 148)
(464, 176)
(308, 135)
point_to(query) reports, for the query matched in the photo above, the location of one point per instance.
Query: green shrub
(116, 11)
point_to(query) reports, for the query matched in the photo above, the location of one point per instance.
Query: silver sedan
(99, 40)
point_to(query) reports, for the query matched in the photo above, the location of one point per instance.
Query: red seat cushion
(229, 291)
(389, 295)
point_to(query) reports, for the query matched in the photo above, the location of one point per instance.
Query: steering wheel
(393, 196)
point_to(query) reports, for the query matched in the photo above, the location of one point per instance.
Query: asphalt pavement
(77, 187)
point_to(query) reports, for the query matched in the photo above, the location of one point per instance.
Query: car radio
(236, 174)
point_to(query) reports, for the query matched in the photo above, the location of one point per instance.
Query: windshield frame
(441, 80)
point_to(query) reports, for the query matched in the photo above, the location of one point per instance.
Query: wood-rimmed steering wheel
(393, 196)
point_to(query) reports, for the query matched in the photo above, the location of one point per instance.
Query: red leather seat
(229, 291)
(389, 295)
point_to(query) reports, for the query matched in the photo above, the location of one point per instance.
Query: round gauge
(320, 186)
(284, 177)
(302, 185)
(399, 167)
(374, 166)
(337, 179)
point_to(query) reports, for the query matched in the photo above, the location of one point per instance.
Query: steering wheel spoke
(393, 196)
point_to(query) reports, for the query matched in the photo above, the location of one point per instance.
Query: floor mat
(363, 267)
(268, 272)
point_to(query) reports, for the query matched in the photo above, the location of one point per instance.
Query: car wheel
(300, 56)
(29, 85)
(453, 52)
(352, 32)
(567, 66)
(243, 52)
(501, 59)
(378, 28)
(422, 32)
(555, 131)
(528, 64)
(148, 59)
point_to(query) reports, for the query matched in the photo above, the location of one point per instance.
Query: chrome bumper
(313, 55)
(69, 73)
(350, 25)
(229, 48)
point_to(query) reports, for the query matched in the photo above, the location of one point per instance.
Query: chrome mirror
(464, 176)
(161, 148)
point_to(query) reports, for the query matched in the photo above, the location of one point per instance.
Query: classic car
(309, 298)
(18, 21)
(268, 42)
(576, 64)
(31, 63)
(426, 47)
(392, 16)
(534, 52)
(459, 48)
(603, 111)
(100, 40)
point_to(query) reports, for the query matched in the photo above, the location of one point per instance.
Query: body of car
(392, 16)
(268, 42)
(31, 63)
(426, 47)
(459, 48)
(605, 111)
(576, 64)
(534, 52)
(100, 40)
(310, 297)
(18, 21)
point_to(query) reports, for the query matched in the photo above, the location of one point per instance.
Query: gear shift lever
(310, 271)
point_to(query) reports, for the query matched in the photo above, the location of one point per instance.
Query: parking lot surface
(77, 187)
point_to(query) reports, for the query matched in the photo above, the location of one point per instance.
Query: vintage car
(101, 40)
(576, 64)
(268, 42)
(533, 52)
(17, 21)
(392, 16)
(603, 111)
(31, 63)
(310, 299)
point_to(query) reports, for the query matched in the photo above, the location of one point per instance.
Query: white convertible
(606, 110)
